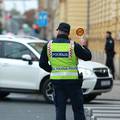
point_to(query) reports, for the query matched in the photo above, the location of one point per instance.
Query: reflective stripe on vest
(64, 74)
(63, 61)
(65, 68)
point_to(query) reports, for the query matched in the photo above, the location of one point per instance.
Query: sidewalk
(116, 82)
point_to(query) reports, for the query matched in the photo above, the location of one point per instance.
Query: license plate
(105, 83)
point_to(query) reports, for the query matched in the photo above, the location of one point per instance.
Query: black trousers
(74, 93)
(110, 63)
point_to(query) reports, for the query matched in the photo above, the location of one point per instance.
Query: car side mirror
(28, 58)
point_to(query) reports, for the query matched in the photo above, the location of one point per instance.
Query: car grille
(101, 72)
(98, 85)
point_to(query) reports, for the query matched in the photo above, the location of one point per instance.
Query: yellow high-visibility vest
(63, 61)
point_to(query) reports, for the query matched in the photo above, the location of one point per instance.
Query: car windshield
(37, 46)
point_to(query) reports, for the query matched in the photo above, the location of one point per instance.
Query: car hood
(90, 65)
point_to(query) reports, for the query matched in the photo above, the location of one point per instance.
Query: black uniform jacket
(109, 47)
(80, 51)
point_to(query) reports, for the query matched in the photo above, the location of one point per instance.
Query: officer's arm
(43, 63)
(82, 52)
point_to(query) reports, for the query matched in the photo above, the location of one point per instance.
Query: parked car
(20, 71)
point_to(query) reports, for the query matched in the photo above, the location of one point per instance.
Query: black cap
(64, 27)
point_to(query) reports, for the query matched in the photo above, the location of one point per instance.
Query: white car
(20, 71)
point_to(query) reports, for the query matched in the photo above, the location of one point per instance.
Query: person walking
(110, 52)
(62, 54)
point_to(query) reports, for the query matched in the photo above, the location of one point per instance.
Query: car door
(1, 55)
(15, 72)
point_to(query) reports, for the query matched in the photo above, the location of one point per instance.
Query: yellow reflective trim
(64, 74)
(64, 77)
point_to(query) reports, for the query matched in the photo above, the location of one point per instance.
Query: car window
(37, 46)
(15, 50)
(1, 49)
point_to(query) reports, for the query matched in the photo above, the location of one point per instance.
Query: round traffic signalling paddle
(80, 31)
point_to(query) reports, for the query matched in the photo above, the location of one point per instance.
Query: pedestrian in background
(62, 54)
(110, 52)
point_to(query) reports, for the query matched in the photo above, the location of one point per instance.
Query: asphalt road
(33, 107)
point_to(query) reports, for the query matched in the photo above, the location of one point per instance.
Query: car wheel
(3, 94)
(89, 97)
(48, 91)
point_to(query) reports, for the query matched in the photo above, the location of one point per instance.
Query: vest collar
(62, 36)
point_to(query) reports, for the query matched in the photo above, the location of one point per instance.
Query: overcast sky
(20, 5)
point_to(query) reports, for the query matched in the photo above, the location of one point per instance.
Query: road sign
(42, 20)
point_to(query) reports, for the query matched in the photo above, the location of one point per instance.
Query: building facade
(73, 12)
(104, 15)
(95, 16)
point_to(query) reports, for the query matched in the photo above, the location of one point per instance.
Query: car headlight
(110, 72)
(86, 73)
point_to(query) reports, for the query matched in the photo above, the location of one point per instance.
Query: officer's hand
(83, 42)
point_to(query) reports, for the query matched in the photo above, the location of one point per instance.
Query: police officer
(63, 54)
(110, 52)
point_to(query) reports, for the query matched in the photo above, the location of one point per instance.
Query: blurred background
(40, 18)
